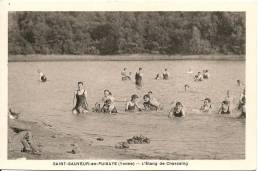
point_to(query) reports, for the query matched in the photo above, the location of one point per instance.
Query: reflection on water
(198, 136)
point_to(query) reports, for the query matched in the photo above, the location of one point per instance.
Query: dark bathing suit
(180, 114)
(223, 112)
(131, 107)
(138, 79)
(165, 76)
(81, 101)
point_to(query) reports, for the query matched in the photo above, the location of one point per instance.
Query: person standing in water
(165, 74)
(43, 78)
(125, 75)
(80, 100)
(139, 78)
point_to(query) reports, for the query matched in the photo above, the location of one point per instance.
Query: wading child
(206, 107)
(108, 103)
(177, 111)
(132, 105)
(80, 100)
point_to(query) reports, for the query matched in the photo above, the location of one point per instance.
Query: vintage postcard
(141, 85)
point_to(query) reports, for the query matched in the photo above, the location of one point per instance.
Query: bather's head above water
(80, 85)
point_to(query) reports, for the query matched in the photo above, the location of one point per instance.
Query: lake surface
(197, 136)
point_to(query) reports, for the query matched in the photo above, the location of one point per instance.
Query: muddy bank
(134, 57)
(56, 145)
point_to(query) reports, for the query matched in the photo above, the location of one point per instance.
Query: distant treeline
(108, 33)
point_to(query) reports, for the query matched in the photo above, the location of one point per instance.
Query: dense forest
(108, 33)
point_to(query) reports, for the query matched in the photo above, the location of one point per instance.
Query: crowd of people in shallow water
(150, 103)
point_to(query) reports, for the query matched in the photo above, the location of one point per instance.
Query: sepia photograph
(147, 85)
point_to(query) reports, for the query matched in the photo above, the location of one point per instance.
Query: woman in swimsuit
(80, 100)
(177, 111)
(132, 105)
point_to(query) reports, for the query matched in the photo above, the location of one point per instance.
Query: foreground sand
(54, 145)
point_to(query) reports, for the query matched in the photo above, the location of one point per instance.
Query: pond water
(197, 136)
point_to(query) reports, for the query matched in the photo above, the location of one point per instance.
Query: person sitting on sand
(108, 103)
(205, 74)
(132, 105)
(177, 111)
(139, 78)
(43, 78)
(206, 107)
(80, 100)
(20, 131)
(224, 108)
(125, 75)
(198, 77)
(165, 74)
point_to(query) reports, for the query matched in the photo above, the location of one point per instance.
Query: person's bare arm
(74, 99)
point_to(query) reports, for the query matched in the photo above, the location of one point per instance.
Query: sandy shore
(55, 145)
(123, 57)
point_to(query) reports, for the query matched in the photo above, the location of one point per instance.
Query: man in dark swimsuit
(139, 78)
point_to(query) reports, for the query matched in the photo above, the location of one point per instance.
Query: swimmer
(206, 107)
(108, 103)
(242, 104)
(224, 108)
(139, 78)
(80, 100)
(153, 102)
(132, 105)
(189, 71)
(43, 78)
(198, 77)
(205, 74)
(165, 74)
(157, 77)
(177, 111)
(186, 86)
(239, 83)
(124, 75)
(147, 104)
